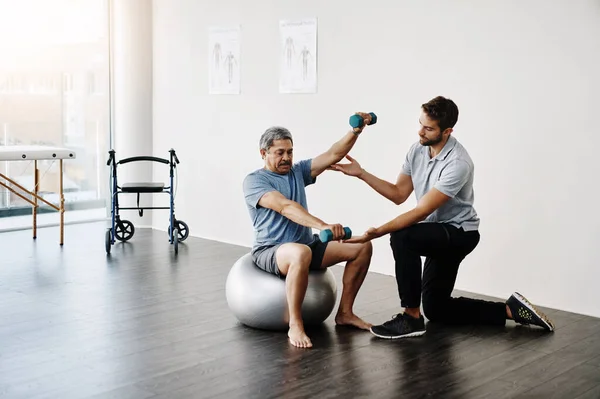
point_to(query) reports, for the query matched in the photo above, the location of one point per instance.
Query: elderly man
(284, 244)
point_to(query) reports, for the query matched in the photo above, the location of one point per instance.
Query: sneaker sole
(537, 312)
(414, 334)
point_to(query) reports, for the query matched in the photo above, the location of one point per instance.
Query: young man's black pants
(444, 247)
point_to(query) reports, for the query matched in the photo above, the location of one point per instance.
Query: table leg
(62, 206)
(35, 198)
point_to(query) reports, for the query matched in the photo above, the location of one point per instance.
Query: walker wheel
(182, 230)
(176, 240)
(107, 240)
(124, 230)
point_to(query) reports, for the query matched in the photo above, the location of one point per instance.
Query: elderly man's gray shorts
(265, 259)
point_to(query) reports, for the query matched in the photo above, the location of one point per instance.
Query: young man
(443, 227)
(284, 243)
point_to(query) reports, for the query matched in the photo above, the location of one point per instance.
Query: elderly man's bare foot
(298, 337)
(350, 319)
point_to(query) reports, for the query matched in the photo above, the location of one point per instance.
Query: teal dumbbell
(357, 121)
(327, 235)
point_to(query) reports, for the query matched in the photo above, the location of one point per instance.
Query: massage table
(37, 153)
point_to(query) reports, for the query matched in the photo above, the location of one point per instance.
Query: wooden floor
(143, 323)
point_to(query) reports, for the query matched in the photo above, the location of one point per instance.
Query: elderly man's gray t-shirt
(452, 173)
(270, 227)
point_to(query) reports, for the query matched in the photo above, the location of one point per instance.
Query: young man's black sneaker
(524, 312)
(400, 326)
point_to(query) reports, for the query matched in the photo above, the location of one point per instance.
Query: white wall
(525, 77)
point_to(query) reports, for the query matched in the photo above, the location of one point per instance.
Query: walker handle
(172, 151)
(111, 157)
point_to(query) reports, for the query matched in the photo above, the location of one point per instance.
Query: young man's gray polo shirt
(451, 172)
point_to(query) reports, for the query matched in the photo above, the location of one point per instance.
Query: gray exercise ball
(258, 299)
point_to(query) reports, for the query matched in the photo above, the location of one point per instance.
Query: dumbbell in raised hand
(357, 121)
(327, 235)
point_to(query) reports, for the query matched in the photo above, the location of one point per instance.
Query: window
(54, 63)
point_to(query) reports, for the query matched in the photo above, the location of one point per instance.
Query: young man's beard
(433, 141)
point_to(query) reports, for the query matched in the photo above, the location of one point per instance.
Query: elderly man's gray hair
(272, 134)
